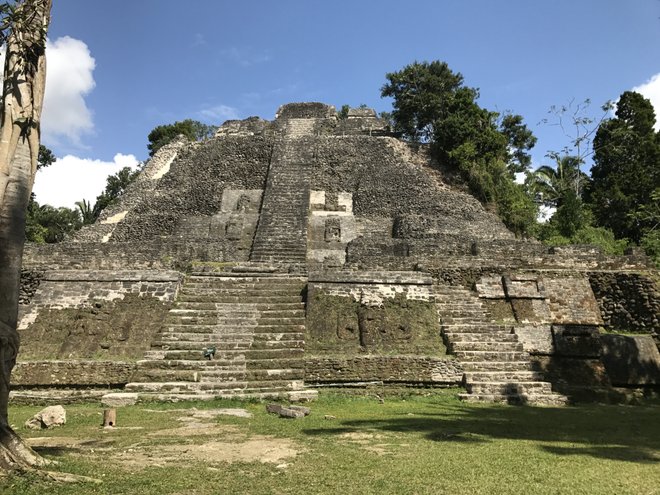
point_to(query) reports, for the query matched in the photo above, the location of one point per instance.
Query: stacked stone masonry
(325, 250)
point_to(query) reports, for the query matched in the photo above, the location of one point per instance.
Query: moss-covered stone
(338, 324)
(121, 329)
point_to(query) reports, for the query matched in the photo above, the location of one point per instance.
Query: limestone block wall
(409, 370)
(628, 301)
(80, 288)
(72, 374)
(371, 313)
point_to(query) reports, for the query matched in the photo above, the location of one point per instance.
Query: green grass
(415, 445)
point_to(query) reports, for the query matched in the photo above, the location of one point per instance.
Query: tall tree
(431, 105)
(163, 134)
(626, 168)
(23, 29)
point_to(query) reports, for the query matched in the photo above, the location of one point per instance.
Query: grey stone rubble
(48, 417)
(317, 250)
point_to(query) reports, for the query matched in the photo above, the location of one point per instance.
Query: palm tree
(551, 184)
(88, 214)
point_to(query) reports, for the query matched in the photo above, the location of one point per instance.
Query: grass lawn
(352, 445)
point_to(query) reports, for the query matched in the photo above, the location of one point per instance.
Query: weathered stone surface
(119, 399)
(631, 360)
(576, 340)
(291, 412)
(60, 373)
(536, 339)
(48, 417)
(361, 218)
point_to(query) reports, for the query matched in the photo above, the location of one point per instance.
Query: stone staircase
(497, 369)
(281, 235)
(255, 322)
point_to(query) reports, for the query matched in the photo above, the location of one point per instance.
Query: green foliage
(626, 169)
(45, 157)
(432, 105)
(116, 186)
(651, 244)
(550, 185)
(519, 140)
(342, 114)
(191, 129)
(47, 224)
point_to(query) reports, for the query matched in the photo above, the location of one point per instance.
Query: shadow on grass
(621, 433)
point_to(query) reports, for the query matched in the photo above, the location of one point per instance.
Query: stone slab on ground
(48, 417)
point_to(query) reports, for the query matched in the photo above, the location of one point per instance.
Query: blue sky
(118, 69)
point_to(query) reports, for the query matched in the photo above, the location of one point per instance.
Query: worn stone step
(491, 356)
(481, 337)
(247, 315)
(508, 388)
(264, 327)
(485, 346)
(225, 346)
(214, 297)
(480, 366)
(251, 354)
(252, 376)
(503, 376)
(488, 328)
(229, 337)
(182, 387)
(247, 308)
(517, 399)
(218, 364)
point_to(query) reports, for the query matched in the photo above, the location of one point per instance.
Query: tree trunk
(22, 98)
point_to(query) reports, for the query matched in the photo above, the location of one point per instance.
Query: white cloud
(219, 113)
(72, 179)
(68, 80)
(651, 90)
(245, 56)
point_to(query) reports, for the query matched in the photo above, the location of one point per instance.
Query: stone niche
(331, 227)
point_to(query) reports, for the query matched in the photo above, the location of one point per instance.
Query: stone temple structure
(309, 251)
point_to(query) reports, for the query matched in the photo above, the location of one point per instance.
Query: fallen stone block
(293, 412)
(47, 418)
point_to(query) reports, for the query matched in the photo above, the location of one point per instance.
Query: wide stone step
(218, 364)
(480, 366)
(491, 356)
(251, 354)
(182, 387)
(485, 346)
(232, 322)
(223, 346)
(252, 376)
(183, 375)
(238, 307)
(237, 329)
(213, 297)
(503, 376)
(486, 328)
(517, 399)
(508, 388)
(246, 315)
(233, 337)
(481, 337)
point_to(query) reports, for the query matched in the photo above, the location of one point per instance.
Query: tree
(48, 224)
(431, 105)
(550, 185)
(626, 168)
(163, 134)
(116, 186)
(45, 157)
(23, 30)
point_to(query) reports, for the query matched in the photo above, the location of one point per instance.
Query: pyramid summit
(319, 249)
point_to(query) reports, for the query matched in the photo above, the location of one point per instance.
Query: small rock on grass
(47, 418)
(288, 411)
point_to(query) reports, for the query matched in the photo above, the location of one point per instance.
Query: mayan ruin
(282, 257)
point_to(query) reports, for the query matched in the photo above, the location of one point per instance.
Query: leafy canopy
(164, 134)
(431, 105)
